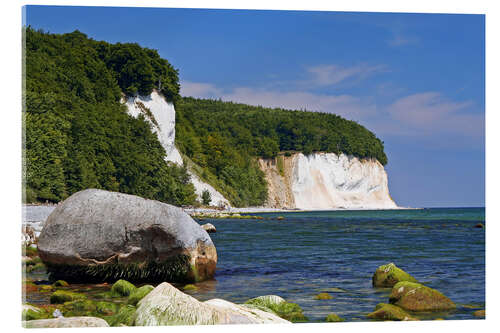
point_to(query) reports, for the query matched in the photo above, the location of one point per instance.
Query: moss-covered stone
(106, 308)
(389, 312)
(29, 251)
(30, 261)
(46, 288)
(188, 287)
(60, 283)
(78, 308)
(323, 296)
(37, 267)
(139, 294)
(333, 318)
(275, 304)
(122, 288)
(388, 275)
(125, 316)
(30, 312)
(417, 297)
(480, 313)
(62, 296)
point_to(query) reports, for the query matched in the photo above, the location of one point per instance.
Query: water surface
(338, 252)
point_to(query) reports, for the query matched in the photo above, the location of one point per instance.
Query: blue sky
(416, 80)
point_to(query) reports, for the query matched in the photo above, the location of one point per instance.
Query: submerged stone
(388, 275)
(62, 296)
(124, 317)
(96, 236)
(480, 313)
(417, 297)
(30, 312)
(276, 304)
(334, 318)
(389, 312)
(209, 227)
(139, 293)
(322, 296)
(122, 288)
(60, 283)
(189, 287)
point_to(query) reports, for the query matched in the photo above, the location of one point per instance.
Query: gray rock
(66, 322)
(97, 235)
(209, 227)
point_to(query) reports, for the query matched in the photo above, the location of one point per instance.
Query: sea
(297, 255)
(302, 254)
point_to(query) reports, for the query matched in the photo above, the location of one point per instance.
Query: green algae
(189, 287)
(417, 297)
(385, 311)
(275, 304)
(480, 313)
(334, 318)
(60, 283)
(139, 293)
(62, 296)
(122, 288)
(323, 296)
(388, 275)
(174, 269)
(124, 317)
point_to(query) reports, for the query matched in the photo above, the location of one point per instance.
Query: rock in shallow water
(389, 312)
(209, 227)
(388, 275)
(97, 236)
(417, 297)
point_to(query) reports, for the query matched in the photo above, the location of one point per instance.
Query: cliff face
(325, 181)
(161, 115)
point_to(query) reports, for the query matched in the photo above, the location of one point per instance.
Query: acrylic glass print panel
(197, 166)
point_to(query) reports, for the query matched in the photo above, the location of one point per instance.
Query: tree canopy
(77, 133)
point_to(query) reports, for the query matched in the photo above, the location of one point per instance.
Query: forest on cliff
(78, 134)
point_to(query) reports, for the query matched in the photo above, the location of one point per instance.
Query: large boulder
(388, 275)
(417, 297)
(166, 305)
(66, 322)
(97, 235)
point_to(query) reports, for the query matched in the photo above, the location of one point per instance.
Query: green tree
(206, 197)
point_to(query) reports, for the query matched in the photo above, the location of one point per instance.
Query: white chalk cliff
(316, 181)
(161, 115)
(326, 181)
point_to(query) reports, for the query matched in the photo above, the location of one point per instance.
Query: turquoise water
(338, 251)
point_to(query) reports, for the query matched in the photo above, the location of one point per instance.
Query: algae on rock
(417, 297)
(139, 293)
(122, 288)
(388, 275)
(389, 312)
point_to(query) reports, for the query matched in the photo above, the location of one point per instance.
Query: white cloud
(399, 40)
(197, 89)
(326, 75)
(431, 112)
